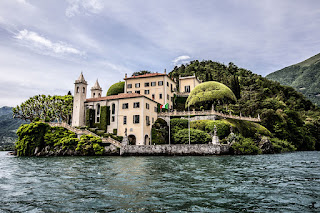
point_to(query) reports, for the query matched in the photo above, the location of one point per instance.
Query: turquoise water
(263, 183)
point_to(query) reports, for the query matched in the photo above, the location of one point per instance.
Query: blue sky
(44, 45)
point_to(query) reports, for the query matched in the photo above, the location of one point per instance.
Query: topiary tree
(208, 93)
(196, 136)
(116, 88)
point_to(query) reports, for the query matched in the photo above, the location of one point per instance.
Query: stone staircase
(80, 132)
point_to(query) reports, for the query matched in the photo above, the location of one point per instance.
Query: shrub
(30, 136)
(201, 125)
(67, 142)
(245, 146)
(159, 132)
(116, 88)
(177, 124)
(196, 136)
(87, 143)
(282, 145)
(223, 127)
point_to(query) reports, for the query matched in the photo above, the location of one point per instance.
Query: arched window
(83, 90)
(94, 94)
(113, 109)
(77, 89)
(99, 95)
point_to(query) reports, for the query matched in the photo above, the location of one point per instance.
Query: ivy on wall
(90, 117)
(104, 118)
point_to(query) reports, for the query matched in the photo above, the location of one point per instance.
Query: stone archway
(146, 140)
(132, 139)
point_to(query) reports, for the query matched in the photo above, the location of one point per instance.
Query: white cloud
(42, 43)
(181, 59)
(87, 6)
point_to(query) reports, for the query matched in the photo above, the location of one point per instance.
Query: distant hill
(304, 77)
(8, 128)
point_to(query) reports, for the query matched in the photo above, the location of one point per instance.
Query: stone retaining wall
(177, 149)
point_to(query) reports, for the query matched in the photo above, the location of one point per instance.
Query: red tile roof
(119, 96)
(146, 75)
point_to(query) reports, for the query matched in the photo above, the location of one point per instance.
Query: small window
(171, 88)
(94, 94)
(146, 84)
(148, 120)
(98, 121)
(137, 85)
(155, 109)
(187, 88)
(136, 105)
(160, 83)
(136, 119)
(171, 99)
(129, 86)
(168, 97)
(129, 91)
(124, 119)
(83, 89)
(153, 84)
(147, 106)
(77, 89)
(125, 106)
(113, 109)
(152, 96)
(146, 92)
(160, 96)
(99, 95)
(152, 120)
(167, 84)
(137, 91)
(112, 119)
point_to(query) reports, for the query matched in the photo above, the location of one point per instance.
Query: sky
(45, 45)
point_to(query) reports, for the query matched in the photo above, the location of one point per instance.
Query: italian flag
(166, 106)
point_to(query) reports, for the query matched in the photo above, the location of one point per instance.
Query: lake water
(262, 183)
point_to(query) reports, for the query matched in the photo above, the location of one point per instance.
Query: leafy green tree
(142, 72)
(116, 88)
(44, 107)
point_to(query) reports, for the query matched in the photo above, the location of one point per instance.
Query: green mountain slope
(304, 77)
(8, 127)
(286, 113)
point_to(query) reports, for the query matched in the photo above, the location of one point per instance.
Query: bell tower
(80, 96)
(96, 90)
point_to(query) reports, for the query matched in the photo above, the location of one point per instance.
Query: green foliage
(90, 145)
(223, 127)
(201, 124)
(116, 88)
(177, 124)
(90, 114)
(209, 93)
(159, 132)
(196, 136)
(49, 108)
(54, 135)
(235, 86)
(245, 146)
(249, 129)
(30, 136)
(67, 142)
(179, 103)
(115, 131)
(280, 146)
(104, 114)
(304, 77)
(142, 72)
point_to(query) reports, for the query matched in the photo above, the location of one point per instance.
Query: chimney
(165, 71)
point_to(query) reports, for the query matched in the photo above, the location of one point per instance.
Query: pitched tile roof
(146, 75)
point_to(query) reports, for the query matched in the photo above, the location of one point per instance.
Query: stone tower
(96, 90)
(80, 96)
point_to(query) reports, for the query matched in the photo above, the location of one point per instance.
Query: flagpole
(169, 131)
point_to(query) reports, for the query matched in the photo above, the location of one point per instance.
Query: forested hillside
(8, 127)
(304, 77)
(283, 111)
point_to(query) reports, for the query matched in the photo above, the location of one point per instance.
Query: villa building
(131, 113)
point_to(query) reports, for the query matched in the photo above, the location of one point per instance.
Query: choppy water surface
(263, 183)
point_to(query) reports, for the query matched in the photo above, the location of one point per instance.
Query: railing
(208, 112)
(86, 132)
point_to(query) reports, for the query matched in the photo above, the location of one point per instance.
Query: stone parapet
(177, 149)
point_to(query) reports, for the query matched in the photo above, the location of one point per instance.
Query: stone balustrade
(176, 113)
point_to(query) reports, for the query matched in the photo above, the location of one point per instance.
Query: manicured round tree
(208, 93)
(116, 88)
